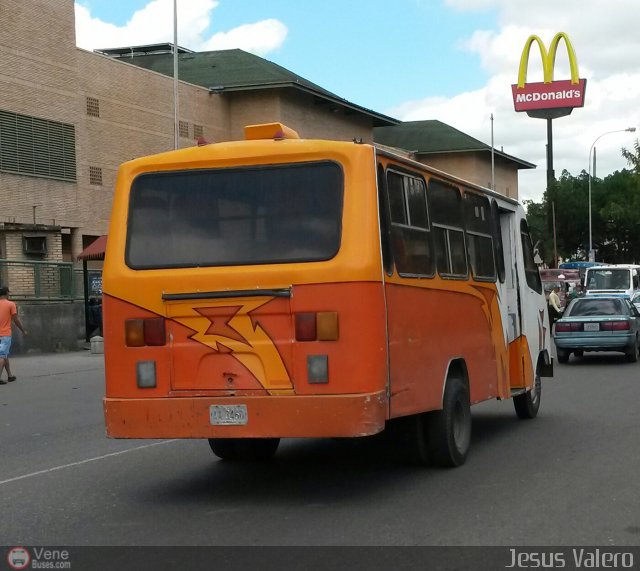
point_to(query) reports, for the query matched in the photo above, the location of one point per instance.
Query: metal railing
(46, 281)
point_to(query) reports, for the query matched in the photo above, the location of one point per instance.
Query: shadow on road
(324, 470)
(595, 359)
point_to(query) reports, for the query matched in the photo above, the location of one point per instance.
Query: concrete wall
(50, 327)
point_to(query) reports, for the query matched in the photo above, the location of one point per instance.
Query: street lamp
(629, 130)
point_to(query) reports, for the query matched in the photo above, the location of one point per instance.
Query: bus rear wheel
(527, 404)
(449, 429)
(247, 449)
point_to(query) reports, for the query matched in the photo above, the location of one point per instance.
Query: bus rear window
(235, 216)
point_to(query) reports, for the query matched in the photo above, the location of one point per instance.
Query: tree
(633, 158)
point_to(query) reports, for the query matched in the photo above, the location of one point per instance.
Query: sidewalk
(40, 364)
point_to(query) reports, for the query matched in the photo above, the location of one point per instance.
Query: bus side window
(445, 204)
(480, 248)
(531, 270)
(385, 225)
(497, 240)
(410, 229)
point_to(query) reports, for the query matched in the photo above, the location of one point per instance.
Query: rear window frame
(238, 168)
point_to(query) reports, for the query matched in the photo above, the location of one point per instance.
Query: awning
(95, 250)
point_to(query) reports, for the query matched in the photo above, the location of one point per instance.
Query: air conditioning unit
(35, 245)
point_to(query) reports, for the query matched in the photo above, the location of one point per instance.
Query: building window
(183, 129)
(35, 245)
(37, 147)
(93, 107)
(95, 176)
(198, 131)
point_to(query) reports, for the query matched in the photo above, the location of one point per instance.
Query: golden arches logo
(548, 58)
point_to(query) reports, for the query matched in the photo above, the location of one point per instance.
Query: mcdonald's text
(556, 94)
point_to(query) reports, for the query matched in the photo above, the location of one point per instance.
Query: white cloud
(154, 24)
(259, 38)
(606, 42)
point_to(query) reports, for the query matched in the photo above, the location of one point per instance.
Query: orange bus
(277, 287)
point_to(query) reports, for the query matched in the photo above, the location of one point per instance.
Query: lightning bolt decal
(226, 326)
(219, 325)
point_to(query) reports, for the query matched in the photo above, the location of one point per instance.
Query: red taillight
(320, 326)
(566, 327)
(306, 327)
(154, 331)
(615, 326)
(141, 332)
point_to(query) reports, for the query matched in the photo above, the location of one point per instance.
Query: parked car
(598, 323)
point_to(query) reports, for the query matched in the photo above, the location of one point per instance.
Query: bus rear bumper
(318, 416)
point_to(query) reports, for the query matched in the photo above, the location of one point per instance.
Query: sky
(450, 60)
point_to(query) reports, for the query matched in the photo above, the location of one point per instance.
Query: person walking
(8, 315)
(554, 305)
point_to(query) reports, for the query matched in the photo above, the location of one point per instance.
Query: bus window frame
(528, 258)
(428, 234)
(448, 228)
(238, 168)
(477, 197)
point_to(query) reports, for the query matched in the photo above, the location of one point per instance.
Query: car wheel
(632, 352)
(578, 353)
(563, 355)
(527, 404)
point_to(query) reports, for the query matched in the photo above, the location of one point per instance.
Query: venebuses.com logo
(38, 558)
(19, 558)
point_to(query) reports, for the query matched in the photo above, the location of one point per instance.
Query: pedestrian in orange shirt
(8, 314)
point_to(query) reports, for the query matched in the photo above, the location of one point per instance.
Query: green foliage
(615, 203)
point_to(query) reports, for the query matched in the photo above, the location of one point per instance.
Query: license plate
(592, 327)
(234, 414)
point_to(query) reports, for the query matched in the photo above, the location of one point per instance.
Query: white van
(614, 279)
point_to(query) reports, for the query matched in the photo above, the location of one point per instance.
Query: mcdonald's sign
(549, 99)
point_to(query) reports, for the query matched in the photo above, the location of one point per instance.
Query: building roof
(226, 71)
(435, 137)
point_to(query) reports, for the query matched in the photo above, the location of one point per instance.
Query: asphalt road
(569, 477)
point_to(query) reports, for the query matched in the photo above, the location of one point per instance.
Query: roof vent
(275, 131)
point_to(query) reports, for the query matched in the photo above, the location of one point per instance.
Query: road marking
(72, 464)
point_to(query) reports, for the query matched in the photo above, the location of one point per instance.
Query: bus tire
(563, 355)
(247, 449)
(528, 403)
(257, 449)
(449, 429)
(224, 448)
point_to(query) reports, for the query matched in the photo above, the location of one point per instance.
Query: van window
(235, 216)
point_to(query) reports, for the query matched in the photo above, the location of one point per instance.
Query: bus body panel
(429, 325)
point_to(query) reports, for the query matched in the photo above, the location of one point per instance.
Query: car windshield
(595, 306)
